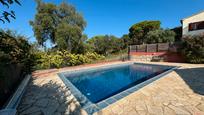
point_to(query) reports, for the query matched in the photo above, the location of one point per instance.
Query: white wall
(195, 18)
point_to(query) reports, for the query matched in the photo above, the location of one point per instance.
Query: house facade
(193, 25)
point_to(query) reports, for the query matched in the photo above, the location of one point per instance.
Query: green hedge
(193, 48)
(15, 61)
(63, 58)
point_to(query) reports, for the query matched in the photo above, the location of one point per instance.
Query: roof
(193, 15)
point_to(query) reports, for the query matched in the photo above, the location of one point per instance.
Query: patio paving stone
(179, 92)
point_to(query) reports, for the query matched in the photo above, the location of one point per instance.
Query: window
(196, 26)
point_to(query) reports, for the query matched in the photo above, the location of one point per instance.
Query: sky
(112, 17)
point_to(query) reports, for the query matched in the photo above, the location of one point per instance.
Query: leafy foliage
(63, 58)
(60, 24)
(138, 31)
(193, 48)
(16, 60)
(6, 14)
(14, 49)
(69, 37)
(126, 41)
(160, 36)
(106, 44)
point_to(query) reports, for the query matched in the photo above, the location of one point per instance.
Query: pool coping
(90, 107)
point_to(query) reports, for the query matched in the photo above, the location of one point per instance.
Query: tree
(125, 39)
(61, 24)
(68, 37)
(178, 31)
(139, 30)
(45, 22)
(160, 36)
(105, 44)
(116, 44)
(6, 14)
(98, 44)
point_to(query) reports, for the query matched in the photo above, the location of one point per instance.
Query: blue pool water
(103, 83)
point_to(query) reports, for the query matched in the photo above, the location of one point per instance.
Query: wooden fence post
(157, 49)
(129, 49)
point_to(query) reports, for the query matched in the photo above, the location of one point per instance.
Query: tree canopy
(138, 31)
(106, 44)
(61, 24)
(160, 36)
(126, 40)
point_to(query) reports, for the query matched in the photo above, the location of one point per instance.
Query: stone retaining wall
(146, 58)
(157, 57)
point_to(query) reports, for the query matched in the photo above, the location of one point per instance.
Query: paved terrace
(180, 92)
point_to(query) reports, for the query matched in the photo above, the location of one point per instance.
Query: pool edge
(92, 108)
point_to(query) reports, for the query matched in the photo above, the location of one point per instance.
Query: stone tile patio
(180, 92)
(48, 96)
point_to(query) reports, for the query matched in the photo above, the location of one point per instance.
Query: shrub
(63, 58)
(16, 60)
(193, 48)
(43, 60)
(15, 49)
(56, 60)
(94, 56)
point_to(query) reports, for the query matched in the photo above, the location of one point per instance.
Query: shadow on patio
(194, 78)
(48, 98)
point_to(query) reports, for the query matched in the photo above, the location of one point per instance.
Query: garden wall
(156, 52)
(156, 56)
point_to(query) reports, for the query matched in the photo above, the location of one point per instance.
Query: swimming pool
(96, 88)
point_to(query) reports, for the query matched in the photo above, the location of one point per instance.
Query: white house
(193, 25)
